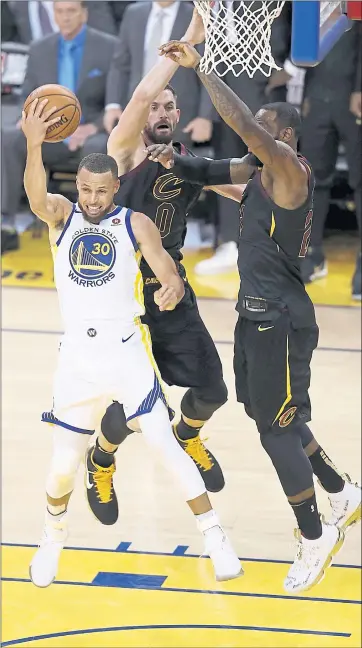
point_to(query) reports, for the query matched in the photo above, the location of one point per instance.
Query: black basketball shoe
(100, 492)
(208, 466)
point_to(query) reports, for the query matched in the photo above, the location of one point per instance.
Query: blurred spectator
(332, 113)
(118, 8)
(79, 58)
(255, 92)
(145, 26)
(9, 30)
(34, 19)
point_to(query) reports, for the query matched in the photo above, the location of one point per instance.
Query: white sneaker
(218, 546)
(44, 566)
(313, 557)
(346, 505)
(224, 260)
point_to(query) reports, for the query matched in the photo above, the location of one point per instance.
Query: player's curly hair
(99, 163)
(287, 116)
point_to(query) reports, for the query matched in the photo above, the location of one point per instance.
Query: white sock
(55, 513)
(208, 523)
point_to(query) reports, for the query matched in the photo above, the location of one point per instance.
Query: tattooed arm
(280, 157)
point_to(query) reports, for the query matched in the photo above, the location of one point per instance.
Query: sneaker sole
(337, 547)
(40, 586)
(226, 578)
(320, 274)
(353, 519)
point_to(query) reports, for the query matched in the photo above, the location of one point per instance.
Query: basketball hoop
(238, 36)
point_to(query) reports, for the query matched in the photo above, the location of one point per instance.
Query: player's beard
(156, 137)
(95, 220)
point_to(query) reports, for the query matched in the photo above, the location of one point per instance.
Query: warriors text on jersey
(272, 243)
(96, 270)
(165, 199)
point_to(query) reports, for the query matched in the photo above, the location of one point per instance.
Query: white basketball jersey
(96, 270)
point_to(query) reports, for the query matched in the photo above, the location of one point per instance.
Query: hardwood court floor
(140, 582)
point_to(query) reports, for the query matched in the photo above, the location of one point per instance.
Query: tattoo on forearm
(229, 106)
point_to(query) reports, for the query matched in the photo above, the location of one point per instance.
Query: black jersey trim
(66, 226)
(134, 171)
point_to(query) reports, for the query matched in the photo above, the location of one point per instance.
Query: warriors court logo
(287, 417)
(92, 257)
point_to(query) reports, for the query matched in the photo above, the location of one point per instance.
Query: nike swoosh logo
(126, 339)
(264, 329)
(88, 484)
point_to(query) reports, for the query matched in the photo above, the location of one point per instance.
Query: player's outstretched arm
(50, 208)
(206, 172)
(125, 137)
(276, 155)
(149, 240)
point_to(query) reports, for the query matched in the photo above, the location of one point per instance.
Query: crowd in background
(101, 50)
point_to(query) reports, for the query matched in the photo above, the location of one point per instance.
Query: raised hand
(182, 53)
(162, 153)
(36, 123)
(195, 33)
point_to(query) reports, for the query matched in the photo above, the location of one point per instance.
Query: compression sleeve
(202, 171)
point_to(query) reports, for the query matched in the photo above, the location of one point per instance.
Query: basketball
(68, 108)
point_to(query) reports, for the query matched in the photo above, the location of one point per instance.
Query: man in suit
(35, 18)
(145, 26)
(77, 57)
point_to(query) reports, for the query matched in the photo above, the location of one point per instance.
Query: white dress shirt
(169, 14)
(34, 18)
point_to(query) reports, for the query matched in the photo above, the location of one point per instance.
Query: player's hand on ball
(182, 53)
(162, 153)
(36, 123)
(165, 298)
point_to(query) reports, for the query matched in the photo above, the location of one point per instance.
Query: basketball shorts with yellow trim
(95, 369)
(272, 370)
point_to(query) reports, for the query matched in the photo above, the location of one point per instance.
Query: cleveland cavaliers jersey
(96, 270)
(165, 199)
(272, 243)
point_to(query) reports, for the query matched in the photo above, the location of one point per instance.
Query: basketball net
(238, 36)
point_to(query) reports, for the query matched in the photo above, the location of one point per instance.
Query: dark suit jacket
(9, 31)
(99, 16)
(127, 65)
(118, 8)
(98, 51)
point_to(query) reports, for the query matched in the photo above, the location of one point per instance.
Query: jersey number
(101, 249)
(164, 216)
(306, 236)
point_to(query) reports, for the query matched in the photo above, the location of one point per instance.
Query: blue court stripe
(72, 633)
(186, 590)
(180, 550)
(163, 553)
(220, 342)
(128, 581)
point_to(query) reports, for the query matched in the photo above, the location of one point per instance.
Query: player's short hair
(171, 89)
(287, 115)
(99, 163)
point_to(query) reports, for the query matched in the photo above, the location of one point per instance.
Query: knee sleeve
(68, 452)
(289, 459)
(200, 403)
(114, 425)
(156, 429)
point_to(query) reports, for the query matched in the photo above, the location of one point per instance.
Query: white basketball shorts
(96, 368)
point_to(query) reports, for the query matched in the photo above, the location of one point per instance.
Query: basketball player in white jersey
(105, 353)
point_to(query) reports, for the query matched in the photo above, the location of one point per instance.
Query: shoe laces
(104, 485)
(196, 450)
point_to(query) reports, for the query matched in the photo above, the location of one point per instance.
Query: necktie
(67, 67)
(44, 20)
(151, 53)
